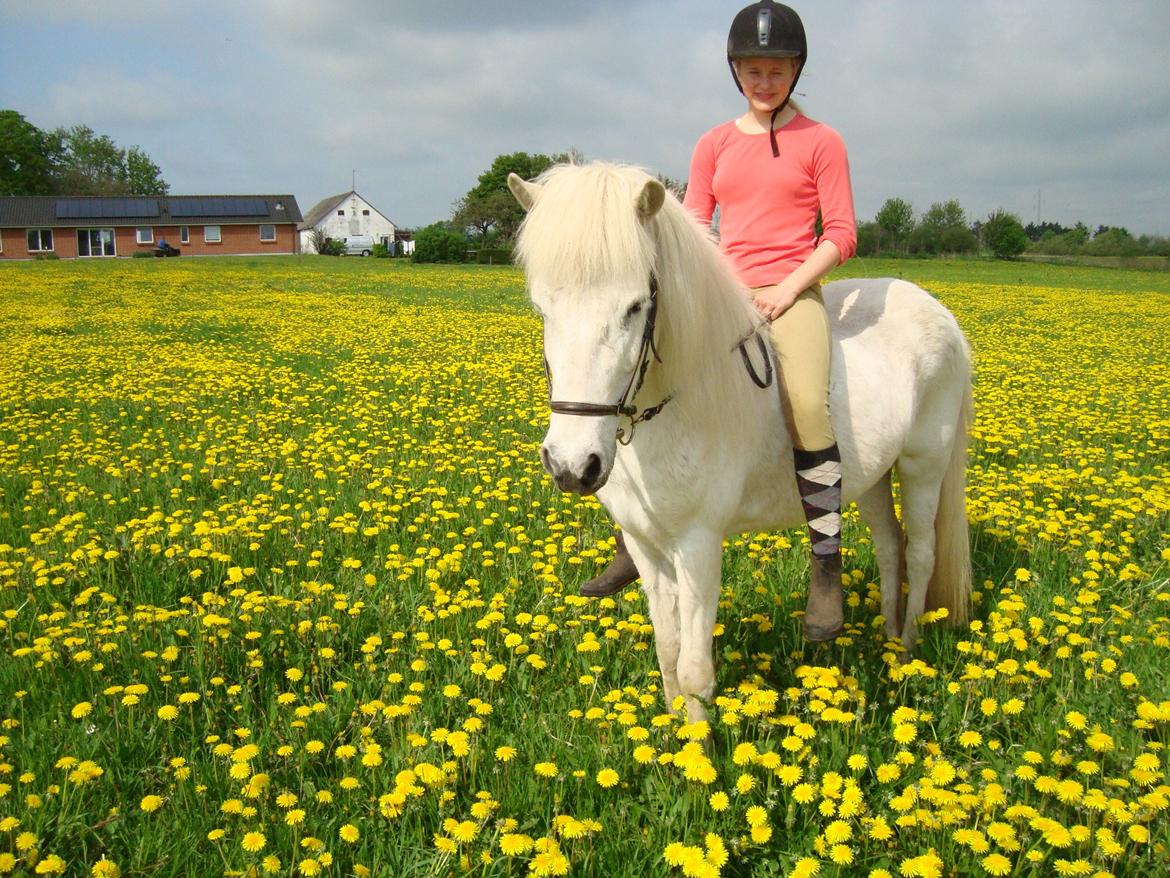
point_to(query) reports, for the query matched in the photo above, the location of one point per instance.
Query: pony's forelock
(583, 230)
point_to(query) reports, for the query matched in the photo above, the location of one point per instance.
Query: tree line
(944, 229)
(484, 223)
(71, 161)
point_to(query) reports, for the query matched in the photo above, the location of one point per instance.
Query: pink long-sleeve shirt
(768, 205)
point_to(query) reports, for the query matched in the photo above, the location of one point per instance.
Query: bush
(1004, 235)
(438, 243)
(332, 248)
(381, 251)
(1112, 242)
(142, 254)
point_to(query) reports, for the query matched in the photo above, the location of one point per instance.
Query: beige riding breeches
(800, 337)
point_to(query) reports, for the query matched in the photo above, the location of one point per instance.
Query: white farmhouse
(340, 216)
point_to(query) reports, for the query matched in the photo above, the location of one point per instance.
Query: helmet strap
(772, 129)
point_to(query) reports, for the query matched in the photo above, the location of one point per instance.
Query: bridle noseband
(624, 406)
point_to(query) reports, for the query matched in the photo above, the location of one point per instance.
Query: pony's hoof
(819, 634)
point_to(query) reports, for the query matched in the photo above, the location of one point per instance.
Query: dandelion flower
(996, 864)
(514, 845)
(150, 804)
(254, 842)
(607, 778)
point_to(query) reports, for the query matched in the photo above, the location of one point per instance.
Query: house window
(1, 242)
(211, 234)
(365, 213)
(95, 242)
(184, 235)
(40, 240)
(341, 213)
(145, 235)
(268, 232)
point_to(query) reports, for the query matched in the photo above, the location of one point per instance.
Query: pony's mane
(583, 233)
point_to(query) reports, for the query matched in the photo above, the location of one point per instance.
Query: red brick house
(197, 225)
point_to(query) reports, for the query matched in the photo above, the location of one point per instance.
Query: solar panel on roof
(106, 208)
(226, 206)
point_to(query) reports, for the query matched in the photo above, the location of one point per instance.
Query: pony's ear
(526, 193)
(650, 199)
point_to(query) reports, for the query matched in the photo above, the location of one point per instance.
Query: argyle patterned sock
(818, 478)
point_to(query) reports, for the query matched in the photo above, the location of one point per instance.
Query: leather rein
(648, 349)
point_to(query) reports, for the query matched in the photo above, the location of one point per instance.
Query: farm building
(199, 225)
(344, 216)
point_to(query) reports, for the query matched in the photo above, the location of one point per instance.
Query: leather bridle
(624, 406)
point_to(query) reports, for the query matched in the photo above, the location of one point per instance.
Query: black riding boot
(620, 573)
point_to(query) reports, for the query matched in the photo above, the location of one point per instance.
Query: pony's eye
(634, 310)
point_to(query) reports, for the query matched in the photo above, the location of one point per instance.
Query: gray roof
(57, 211)
(325, 205)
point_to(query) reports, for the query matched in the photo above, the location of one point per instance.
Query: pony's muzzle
(588, 478)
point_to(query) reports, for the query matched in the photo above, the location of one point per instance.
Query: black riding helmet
(767, 30)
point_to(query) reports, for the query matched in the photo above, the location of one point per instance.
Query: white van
(359, 245)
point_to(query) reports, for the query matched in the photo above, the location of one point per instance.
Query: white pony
(642, 318)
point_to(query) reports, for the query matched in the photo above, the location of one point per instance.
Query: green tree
(943, 229)
(482, 214)
(1004, 234)
(143, 175)
(26, 167)
(490, 203)
(91, 164)
(896, 221)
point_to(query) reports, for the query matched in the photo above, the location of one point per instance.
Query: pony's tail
(950, 582)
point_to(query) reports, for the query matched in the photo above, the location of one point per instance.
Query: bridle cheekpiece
(624, 406)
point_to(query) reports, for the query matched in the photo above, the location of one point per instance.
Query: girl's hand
(774, 301)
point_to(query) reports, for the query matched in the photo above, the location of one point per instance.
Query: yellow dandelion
(996, 864)
(545, 769)
(253, 842)
(514, 845)
(607, 778)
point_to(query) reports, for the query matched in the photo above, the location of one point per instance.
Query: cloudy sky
(1020, 104)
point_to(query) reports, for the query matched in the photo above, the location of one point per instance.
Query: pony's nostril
(592, 470)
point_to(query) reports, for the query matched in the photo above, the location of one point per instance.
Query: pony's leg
(921, 477)
(877, 510)
(661, 588)
(698, 559)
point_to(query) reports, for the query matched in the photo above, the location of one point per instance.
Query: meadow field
(283, 590)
